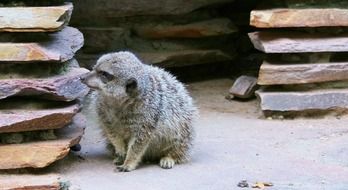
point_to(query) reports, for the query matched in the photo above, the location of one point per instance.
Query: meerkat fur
(144, 111)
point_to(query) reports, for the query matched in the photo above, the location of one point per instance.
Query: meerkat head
(116, 75)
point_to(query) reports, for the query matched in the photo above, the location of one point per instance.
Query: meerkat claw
(124, 168)
(167, 163)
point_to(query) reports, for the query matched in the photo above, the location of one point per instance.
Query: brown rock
(298, 42)
(107, 9)
(277, 73)
(65, 86)
(34, 19)
(43, 153)
(214, 27)
(278, 18)
(185, 57)
(18, 116)
(30, 182)
(244, 87)
(276, 100)
(60, 46)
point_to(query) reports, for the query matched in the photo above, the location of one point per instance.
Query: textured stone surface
(65, 86)
(30, 182)
(122, 8)
(34, 19)
(244, 87)
(103, 39)
(213, 27)
(184, 58)
(303, 100)
(315, 3)
(298, 42)
(60, 46)
(278, 18)
(23, 115)
(278, 73)
(43, 153)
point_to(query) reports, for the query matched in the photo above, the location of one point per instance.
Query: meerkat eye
(131, 85)
(105, 76)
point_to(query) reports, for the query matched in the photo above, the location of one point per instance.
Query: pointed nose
(84, 77)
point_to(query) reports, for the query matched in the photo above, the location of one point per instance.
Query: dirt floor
(234, 142)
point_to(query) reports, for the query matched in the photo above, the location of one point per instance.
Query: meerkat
(145, 112)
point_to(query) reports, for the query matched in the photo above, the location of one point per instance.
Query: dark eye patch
(105, 76)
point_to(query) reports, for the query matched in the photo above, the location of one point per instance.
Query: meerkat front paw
(125, 168)
(119, 159)
(167, 162)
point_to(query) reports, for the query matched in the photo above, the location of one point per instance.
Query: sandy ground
(233, 143)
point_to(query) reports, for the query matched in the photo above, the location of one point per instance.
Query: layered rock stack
(167, 33)
(306, 68)
(39, 84)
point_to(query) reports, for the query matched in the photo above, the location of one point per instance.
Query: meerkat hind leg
(167, 162)
(176, 155)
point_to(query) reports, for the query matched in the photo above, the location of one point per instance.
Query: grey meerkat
(144, 111)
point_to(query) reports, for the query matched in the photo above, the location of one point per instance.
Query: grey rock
(65, 86)
(291, 101)
(298, 42)
(244, 87)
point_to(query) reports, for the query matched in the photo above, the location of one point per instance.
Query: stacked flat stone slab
(287, 83)
(39, 84)
(166, 33)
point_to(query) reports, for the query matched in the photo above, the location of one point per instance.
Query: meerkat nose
(84, 77)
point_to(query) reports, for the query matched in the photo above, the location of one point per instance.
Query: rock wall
(306, 66)
(39, 83)
(168, 33)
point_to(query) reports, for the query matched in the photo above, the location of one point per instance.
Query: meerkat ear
(131, 86)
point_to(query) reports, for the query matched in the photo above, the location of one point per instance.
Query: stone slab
(107, 9)
(35, 19)
(279, 18)
(184, 57)
(279, 73)
(104, 39)
(315, 100)
(19, 116)
(59, 46)
(213, 27)
(30, 182)
(298, 42)
(42, 153)
(65, 86)
(244, 87)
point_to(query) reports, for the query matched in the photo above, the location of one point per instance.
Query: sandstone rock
(60, 46)
(64, 86)
(43, 153)
(34, 19)
(278, 73)
(185, 57)
(298, 42)
(137, 7)
(324, 99)
(213, 27)
(23, 115)
(244, 87)
(30, 182)
(278, 18)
